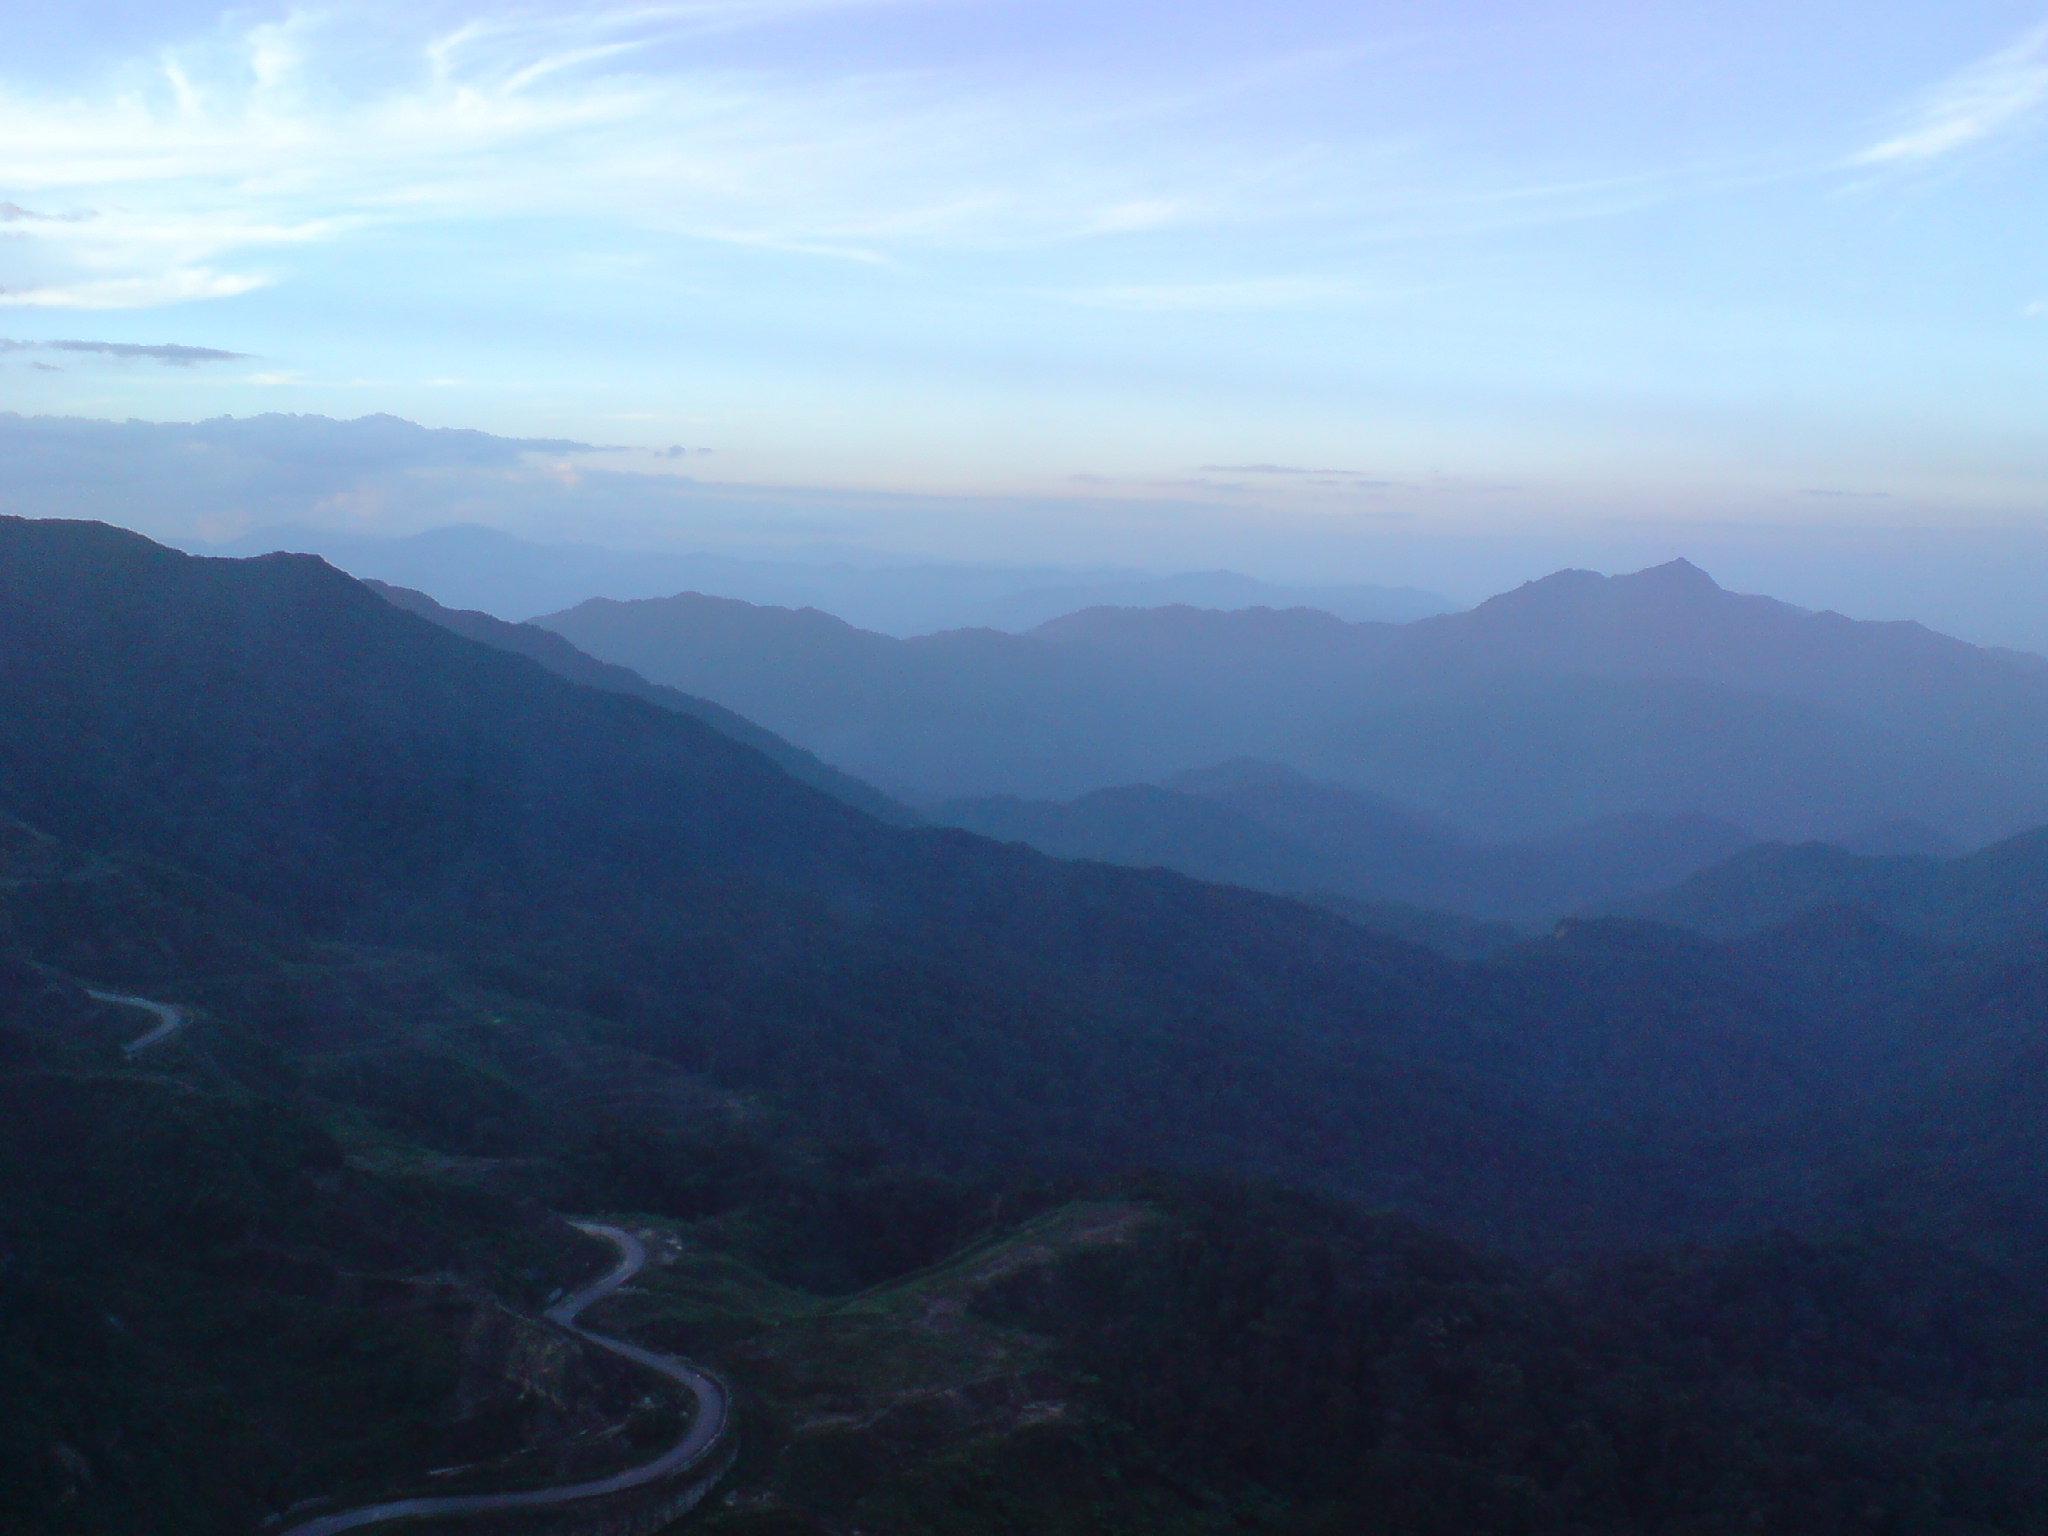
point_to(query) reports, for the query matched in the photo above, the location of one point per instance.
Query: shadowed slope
(564, 660)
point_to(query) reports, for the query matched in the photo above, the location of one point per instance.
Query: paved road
(706, 1429)
(170, 1019)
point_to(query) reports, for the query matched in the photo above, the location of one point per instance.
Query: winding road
(169, 1016)
(707, 1426)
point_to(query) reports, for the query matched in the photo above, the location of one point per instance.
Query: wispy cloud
(13, 213)
(192, 174)
(173, 285)
(202, 171)
(1995, 97)
(171, 353)
(1239, 293)
(1275, 469)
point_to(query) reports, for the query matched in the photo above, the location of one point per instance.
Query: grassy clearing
(901, 1407)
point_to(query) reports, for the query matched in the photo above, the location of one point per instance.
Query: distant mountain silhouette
(471, 567)
(965, 710)
(1148, 826)
(1896, 837)
(564, 660)
(1263, 825)
(1570, 700)
(1994, 895)
(1225, 590)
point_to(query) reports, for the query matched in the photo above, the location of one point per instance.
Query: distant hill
(472, 567)
(1993, 895)
(952, 713)
(564, 660)
(1223, 590)
(1570, 700)
(1265, 826)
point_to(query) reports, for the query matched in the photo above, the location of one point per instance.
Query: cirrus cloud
(192, 174)
(198, 172)
(1996, 96)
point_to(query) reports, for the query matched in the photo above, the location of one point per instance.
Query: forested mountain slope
(1571, 699)
(316, 1215)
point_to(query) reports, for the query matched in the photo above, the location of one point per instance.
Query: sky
(1319, 291)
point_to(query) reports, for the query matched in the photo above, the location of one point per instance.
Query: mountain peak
(1679, 575)
(1581, 590)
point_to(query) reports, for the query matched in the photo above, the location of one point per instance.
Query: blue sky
(1277, 286)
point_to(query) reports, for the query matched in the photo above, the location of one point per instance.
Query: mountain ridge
(285, 732)
(1570, 699)
(563, 659)
(470, 566)
(281, 729)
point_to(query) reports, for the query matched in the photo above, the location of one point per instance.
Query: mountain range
(1385, 866)
(1571, 700)
(1012, 1192)
(277, 729)
(1254, 824)
(479, 568)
